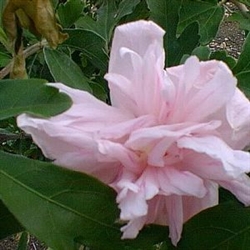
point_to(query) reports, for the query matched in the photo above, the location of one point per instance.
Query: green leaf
(207, 13)
(222, 55)
(71, 205)
(91, 45)
(125, 8)
(106, 18)
(70, 12)
(242, 68)
(202, 52)
(8, 223)
(65, 70)
(141, 11)
(4, 39)
(226, 226)
(244, 82)
(89, 24)
(4, 59)
(184, 44)
(243, 22)
(166, 14)
(31, 96)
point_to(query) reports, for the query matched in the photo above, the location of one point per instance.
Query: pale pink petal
(193, 205)
(115, 152)
(175, 216)
(131, 230)
(240, 187)
(125, 36)
(234, 162)
(176, 182)
(204, 97)
(133, 206)
(238, 115)
(135, 72)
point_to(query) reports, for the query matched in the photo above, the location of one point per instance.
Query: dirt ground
(229, 37)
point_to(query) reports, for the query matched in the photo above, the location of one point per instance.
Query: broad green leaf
(70, 12)
(166, 14)
(243, 63)
(63, 208)
(202, 52)
(226, 226)
(141, 11)
(58, 206)
(125, 8)
(244, 82)
(65, 70)
(106, 18)
(30, 96)
(110, 13)
(243, 22)
(8, 223)
(222, 55)
(207, 13)
(91, 45)
(184, 44)
(89, 24)
(242, 68)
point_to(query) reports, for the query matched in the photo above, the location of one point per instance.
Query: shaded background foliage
(68, 210)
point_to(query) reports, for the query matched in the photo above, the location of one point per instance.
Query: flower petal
(238, 116)
(125, 36)
(234, 162)
(136, 70)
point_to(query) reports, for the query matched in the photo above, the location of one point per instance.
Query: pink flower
(170, 138)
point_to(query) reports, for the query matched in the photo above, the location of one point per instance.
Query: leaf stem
(27, 52)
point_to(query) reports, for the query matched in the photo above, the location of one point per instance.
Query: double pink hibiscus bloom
(170, 138)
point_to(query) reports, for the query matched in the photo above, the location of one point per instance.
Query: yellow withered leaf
(36, 15)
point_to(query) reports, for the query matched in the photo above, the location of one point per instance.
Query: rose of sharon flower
(170, 138)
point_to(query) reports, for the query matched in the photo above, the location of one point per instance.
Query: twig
(9, 137)
(28, 52)
(242, 8)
